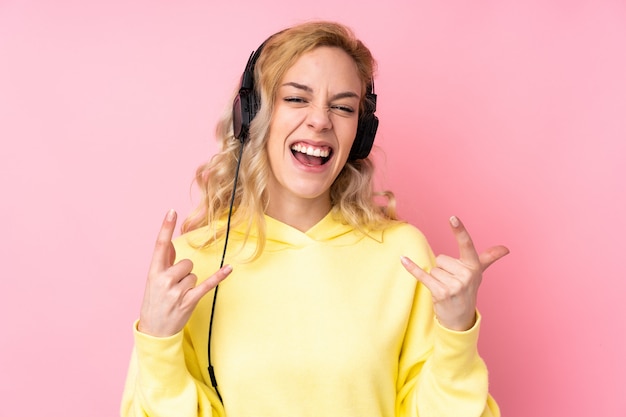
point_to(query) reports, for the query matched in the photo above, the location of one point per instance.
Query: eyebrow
(345, 94)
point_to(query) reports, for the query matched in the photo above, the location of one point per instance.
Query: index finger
(164, 253)
(467, 251)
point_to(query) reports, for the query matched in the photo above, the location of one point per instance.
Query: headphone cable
(230, 212)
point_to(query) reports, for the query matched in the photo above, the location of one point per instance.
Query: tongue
(308, 159)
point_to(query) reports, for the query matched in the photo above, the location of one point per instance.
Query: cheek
(274, 134)
(279, 129)
(346, 132)
(275, 147)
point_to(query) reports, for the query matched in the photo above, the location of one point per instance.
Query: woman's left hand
(454, 283)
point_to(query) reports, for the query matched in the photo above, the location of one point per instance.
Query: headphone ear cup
(245, 107)
(238, 119)
(366, 129)
(365, 134)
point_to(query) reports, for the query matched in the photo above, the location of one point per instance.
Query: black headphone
(247, 104)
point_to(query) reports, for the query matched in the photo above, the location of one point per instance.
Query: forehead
(325, 67)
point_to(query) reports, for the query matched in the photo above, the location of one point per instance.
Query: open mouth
(311, 155)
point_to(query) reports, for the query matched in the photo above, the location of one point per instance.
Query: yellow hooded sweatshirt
(326, 323)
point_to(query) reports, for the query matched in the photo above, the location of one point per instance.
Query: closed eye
(342, 108)
(295, 100)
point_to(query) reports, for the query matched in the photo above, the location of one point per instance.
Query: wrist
(460, 324)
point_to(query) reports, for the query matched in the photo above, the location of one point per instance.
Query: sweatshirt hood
(281, 236)
(328, 230)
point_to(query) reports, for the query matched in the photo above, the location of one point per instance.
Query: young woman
(327, 305)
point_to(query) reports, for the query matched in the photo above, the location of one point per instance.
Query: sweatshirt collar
(328, 230)
(280, 236)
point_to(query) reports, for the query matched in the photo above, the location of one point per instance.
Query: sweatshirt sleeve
(159, 383)
(440, 371)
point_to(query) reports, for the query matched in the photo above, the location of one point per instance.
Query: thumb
(491, 255)
(200, 290)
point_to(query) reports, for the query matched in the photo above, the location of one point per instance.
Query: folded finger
(180, 270)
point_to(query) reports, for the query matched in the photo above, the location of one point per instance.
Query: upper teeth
(309, 150)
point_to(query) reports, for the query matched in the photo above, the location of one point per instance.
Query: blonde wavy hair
(352, 195)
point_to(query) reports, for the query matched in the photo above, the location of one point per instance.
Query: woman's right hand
(171, 292)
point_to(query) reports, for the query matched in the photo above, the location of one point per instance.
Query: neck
(301, 214)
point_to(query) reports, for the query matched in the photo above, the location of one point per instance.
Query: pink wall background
(511, 115)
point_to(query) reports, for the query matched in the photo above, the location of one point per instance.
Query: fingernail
(405, 260)
(227, 269)
(170, 215)
(454, 221)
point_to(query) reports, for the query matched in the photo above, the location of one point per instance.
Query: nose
(319, 118)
